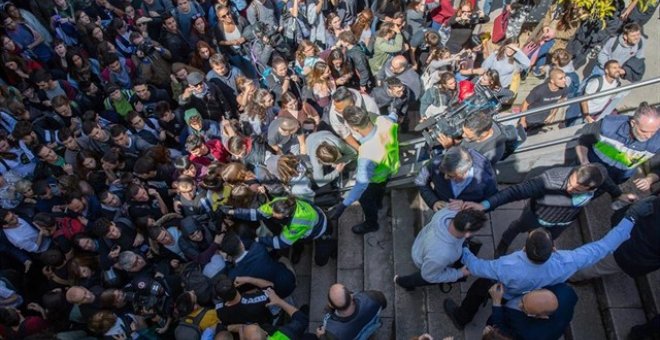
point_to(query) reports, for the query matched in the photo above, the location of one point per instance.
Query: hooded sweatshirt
(200, 252)
(210, 129)
(435, 249)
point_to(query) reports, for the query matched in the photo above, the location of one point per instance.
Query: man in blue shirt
(538, 265)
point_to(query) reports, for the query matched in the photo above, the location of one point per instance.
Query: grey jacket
(435, 249)
(313, 141)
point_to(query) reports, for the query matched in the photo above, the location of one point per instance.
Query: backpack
(68, 227)
(188, 328)
(193, 279)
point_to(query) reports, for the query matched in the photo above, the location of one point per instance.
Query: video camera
(147, 294)
(450, 122)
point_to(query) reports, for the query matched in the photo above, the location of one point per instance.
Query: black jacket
(177, 45)
(549, 199)
(213, 105)
(640, 254)
(360, 64)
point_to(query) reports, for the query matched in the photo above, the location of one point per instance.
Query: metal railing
(568, 102)
(402, 180)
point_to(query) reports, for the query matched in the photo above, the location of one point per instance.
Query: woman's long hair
(362, 22)
(338, 55)
(300, 52)
(257, 107)
(196, 60)
(287, 168)
(316, 75)
(501, 52)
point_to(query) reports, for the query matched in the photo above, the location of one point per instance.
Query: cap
(194, 78)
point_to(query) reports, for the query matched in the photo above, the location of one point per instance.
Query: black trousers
(528, 222)
(371, 201)
(476, 296)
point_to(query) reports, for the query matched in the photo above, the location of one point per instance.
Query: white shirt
(25, 237)
(597, 105)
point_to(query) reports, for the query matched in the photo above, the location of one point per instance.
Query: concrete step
(618, 297)
(378, 267)
(410, 312)
(587, 322)
(303, 271)
(320, 281)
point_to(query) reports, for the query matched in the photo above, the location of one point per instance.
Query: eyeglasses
(226, 15)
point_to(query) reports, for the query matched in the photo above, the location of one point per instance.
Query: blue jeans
(543, 55)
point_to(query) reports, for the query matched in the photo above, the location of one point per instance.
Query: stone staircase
(606, 308)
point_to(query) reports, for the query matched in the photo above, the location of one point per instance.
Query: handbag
(499, 26)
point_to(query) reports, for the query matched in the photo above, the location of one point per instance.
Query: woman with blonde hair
(321, 84)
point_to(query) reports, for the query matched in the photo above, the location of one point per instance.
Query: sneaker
(363, 228)
(450, 308)
(539, 74)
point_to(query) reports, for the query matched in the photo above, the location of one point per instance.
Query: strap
(198, 318)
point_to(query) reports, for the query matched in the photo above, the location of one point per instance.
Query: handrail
(571, 101)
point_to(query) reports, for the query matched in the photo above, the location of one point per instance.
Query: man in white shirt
(22, 234)
(591, 109)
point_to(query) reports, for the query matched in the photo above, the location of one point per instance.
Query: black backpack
(193, 279)
(189, 328)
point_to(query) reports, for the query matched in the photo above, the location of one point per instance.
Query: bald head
(540, 303)
(339, 297)
(399, 64)
(253, 332)
(79, 295)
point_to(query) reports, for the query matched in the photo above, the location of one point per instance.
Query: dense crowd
(164, 163)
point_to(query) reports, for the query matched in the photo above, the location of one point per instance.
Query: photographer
(152, 60)
(147, 96)
(462, 25)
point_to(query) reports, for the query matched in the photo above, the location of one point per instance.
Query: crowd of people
(164, 163)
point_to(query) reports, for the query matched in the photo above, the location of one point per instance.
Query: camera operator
(149, 290)
(482, 134)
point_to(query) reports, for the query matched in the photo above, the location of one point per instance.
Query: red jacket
(442, 13)
(217, 152)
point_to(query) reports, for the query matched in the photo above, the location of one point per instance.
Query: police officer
(378, 160)
(291, 220)
(621, 143)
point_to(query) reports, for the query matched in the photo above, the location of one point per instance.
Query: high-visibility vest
(305, 217)
(382, 149)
